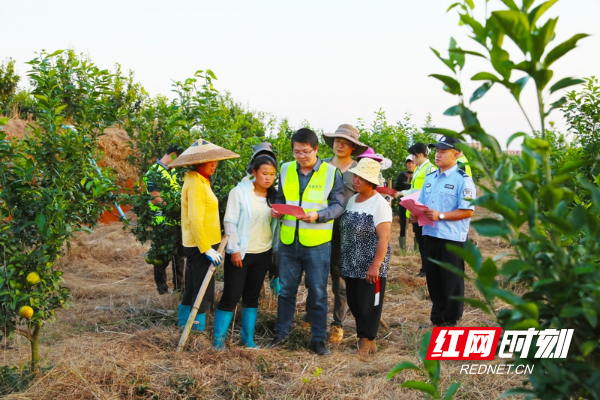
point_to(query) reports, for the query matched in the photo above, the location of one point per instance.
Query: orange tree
(51, 188)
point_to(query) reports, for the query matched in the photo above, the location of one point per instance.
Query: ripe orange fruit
(26, 312)
(33, 279)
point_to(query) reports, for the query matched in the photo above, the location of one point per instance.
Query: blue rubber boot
(248, 325)
(199, 323)
(183, 313)
(222, 321)
(274, 285)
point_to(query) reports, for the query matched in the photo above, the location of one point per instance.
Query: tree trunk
(34, 340)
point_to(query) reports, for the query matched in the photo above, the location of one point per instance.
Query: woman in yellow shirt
(200, 226)
(250, 228)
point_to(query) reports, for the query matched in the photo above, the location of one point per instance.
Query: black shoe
(278, 341)
(320, 348)
(421, 274)
(163, 290)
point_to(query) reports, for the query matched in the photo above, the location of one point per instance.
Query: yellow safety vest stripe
(465, 167)
(419, 178)
(158, 218)
(314, 198)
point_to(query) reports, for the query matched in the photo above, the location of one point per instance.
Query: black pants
(178, 266)
(403, 220)
(197, 267)
(443, 284)
(274, 268)
(245, 282)
(361, 300)
(418, 230)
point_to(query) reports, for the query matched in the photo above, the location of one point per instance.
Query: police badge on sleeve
(467, 195)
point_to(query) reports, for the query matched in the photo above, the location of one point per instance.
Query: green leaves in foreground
(429, 368)
(541, 205)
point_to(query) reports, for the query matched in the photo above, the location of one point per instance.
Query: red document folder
(386, 190)
(286, 209)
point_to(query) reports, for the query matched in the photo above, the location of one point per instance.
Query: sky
(328, 61)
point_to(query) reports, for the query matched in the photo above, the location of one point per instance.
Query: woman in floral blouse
(365, 229)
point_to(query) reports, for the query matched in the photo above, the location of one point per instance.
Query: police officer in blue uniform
(448, 193)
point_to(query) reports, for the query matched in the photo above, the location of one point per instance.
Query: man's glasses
(302, 153)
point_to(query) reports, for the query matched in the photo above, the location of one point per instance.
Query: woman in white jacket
(250, 228)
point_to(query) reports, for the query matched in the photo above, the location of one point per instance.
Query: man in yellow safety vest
(305, 243)
(463, 163)
(160, 171)
(420, 153)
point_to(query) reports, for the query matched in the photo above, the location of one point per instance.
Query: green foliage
(9, 81)
(127, 95)
(553, 239)
(163, 237)
(51, 187)
(582, 112)
(22, 104)
(392, 141)
(430, 369)
(15, 379)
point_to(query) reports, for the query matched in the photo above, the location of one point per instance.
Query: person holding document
(345, 144)
(305, 241)
(250, 227)
(448, 193)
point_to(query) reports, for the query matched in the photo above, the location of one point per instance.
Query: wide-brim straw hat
(368, 169)
(348, 132)
(202, 151)
(385, 162)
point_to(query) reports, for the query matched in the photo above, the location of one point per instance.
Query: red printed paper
(287, 209)
(386, 190)
(377, 291)
(417, 209)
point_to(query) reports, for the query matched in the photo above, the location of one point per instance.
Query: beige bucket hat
(367, 169)
(348, 132)
(202, 151)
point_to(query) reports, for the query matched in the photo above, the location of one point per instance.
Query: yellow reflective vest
(418, 178)
(463, 163)
(166, 175)
(314, 198)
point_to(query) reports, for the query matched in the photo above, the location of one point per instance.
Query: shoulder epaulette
(432, 172)
(463, 173)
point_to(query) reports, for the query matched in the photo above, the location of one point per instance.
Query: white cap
(409, 158)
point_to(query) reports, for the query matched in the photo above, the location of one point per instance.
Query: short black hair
(305, 135)
(174, 148)
(374, 186)
(418, 148)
